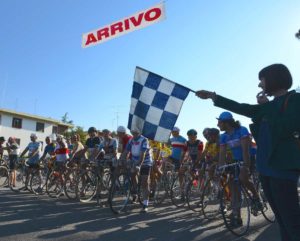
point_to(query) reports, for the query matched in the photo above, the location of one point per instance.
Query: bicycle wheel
(54, 184)
(3, 176)
(119, 195)
(193, 195)
(267, 210)
(87, 184)
(236, 209)
(38, 183)
(160, 193)
(178, 196)
(70, 185)
(20, 179)
(210, 199)
(106, 181)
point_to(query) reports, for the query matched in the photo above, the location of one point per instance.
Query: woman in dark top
(276, 128)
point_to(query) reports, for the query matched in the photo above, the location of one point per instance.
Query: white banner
(137, 21)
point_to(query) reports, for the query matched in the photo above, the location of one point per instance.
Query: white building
(21, 125)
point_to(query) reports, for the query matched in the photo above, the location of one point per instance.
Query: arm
(220, 101)
(24, 152)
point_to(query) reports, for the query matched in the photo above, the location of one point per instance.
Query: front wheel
(119, 195)
(235, 209)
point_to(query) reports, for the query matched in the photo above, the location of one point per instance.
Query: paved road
(29, 217)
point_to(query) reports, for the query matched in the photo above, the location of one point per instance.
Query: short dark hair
(277, 76)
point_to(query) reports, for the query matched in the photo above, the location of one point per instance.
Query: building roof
(35, 117)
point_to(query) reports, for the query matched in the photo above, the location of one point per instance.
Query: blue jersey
(178, 145)
(137, 145)
(233, 142)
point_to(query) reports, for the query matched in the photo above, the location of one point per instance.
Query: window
(16, 123)
(0, 119)
(54, 129)
(40, 127)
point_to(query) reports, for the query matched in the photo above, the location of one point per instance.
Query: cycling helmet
(192, 132)
(106, 131)
(92, 129)
(213, 131)
(121, 129)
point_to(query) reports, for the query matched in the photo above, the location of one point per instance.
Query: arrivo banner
(137, 21)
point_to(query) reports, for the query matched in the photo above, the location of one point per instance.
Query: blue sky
(213, 45)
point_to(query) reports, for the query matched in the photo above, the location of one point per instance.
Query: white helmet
(121, 129)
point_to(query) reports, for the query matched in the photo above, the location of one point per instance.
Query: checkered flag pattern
(155, 105)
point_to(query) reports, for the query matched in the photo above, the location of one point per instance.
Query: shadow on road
(40, 218)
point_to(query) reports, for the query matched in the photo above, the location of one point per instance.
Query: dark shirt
(92, 142)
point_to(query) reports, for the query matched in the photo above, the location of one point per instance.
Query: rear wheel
(54, 185)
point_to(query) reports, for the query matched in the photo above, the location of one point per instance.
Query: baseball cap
(225, 116)
(175, 128)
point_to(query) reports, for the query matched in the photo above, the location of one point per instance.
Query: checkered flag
(155, 105)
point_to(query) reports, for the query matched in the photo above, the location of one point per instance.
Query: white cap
(121, 129)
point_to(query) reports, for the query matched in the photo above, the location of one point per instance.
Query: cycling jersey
(136, 146)
(49, 149)
(165, 152)
(34, 147)
(109, 145)
(92, 142)
(233, 141)
(155, 146)
(178, 144)
(194, 149)
(212, 151)
(62, 153)
(123, 142)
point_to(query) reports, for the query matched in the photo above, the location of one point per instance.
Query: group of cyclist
(148, 158)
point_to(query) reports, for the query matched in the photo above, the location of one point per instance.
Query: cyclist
(155, 147)
(192, 153)
(13, 151)
(211, 150)
(92, 144)
(49, 148)
(177, 143)
(108, 149)
(78, 147)
(61, 152)
(34, 154)
(142, 162)
(236, 137)
(123, 139)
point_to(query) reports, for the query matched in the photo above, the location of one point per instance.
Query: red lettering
(155, 11)
(102, 32)
(138, 21)
(126, 24)
(116, 27)
(90, 39)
